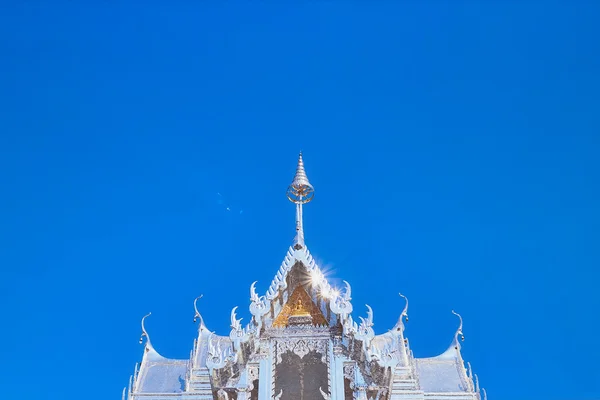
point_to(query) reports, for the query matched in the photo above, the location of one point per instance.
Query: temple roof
(158, 374)
(445, 372)
(439, 375)
(300, 303)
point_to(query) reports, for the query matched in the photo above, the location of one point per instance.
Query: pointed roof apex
(300, 191)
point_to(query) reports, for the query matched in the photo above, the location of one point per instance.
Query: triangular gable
(299, 303)
(298, 269)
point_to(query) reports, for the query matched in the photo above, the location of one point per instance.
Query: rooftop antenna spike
(197, 315)
(459, 331)
(300, 192)
(144, 333)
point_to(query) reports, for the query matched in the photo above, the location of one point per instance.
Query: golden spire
(300, 192)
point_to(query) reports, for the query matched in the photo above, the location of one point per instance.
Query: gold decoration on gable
(299, 304)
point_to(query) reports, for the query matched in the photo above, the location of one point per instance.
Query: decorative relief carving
(299, 331)
(338, 347)
(253, 373)
(302, 347)
(217, 356)
(262, 352)
(349, 372)
(245, 388)
(326, 396)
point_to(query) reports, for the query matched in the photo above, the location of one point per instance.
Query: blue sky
(453, 149)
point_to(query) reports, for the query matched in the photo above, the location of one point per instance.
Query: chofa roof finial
(144, 333)
(197, 315)
(403, 316)
(300, 192)
(459, 331)
(405, 311)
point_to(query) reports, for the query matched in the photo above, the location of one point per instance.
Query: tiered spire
(300, 192)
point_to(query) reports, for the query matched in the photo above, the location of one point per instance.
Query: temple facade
(303, 343)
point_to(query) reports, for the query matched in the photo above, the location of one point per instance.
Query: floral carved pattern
(349, 372)
(302, 347)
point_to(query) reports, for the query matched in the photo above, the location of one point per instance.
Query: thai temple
(303, 343)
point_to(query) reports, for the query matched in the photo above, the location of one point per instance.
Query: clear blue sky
(454, 152)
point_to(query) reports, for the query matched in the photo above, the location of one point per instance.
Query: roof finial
(144, 333)
(300, 192)
(459, 331)
(403, 316)
(197, 315)
(405, 311)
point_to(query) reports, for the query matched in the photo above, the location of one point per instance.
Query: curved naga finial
(235, 323)
(238, 334)
(405, 311)
(366, 324)
(347, 292)
(253, 295)
(325, 395)
(459, 331)
(369, 321)
(258, 305)
(484, 394)
(144, 333)
(197, 315)
(341, 304)
(279, 395)
(404, 315)
(365, 332)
